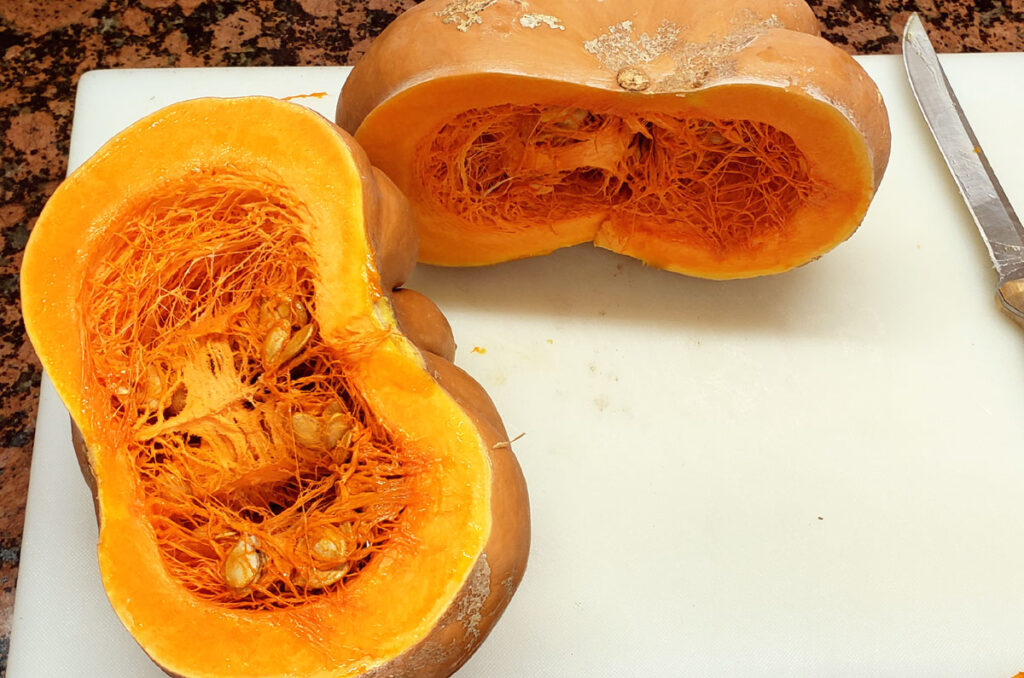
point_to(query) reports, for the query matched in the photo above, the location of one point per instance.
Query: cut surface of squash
(288, 482)
(715, 139)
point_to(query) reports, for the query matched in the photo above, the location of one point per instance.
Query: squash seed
(334, 429)
(330, 545)
(299, 314)
(284, 308)
(297, 343)
(312, 578)
(270, 312)
(274, 342)
(244, 563)
(307, 429)
(325, 545)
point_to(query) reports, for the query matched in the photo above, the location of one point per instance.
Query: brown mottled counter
(48, 44)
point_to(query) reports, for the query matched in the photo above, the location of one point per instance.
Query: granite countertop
(48, 44)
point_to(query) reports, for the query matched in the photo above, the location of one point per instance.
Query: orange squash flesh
(720, 140)
(291, 477)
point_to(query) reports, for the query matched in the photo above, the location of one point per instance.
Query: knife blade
(997, 222)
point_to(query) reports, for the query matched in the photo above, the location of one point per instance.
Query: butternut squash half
(719, 139)
(291, 477)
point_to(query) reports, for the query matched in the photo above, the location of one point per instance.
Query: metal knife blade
(998, 223)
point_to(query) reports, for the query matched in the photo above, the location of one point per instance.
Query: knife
(992, 212)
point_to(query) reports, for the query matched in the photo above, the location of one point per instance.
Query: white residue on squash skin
(617, 48)
(535, 20)
(466, 610)
(694, 64)
(464, 13)
(471, 600)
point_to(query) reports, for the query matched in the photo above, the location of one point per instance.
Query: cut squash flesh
(701, 185)
(717, 141)
(283, 486)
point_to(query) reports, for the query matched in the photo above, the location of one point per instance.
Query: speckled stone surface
(48, 44)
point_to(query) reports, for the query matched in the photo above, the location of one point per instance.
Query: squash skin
(495, 577)
(418, 325)
(423, 322)
(422, 70)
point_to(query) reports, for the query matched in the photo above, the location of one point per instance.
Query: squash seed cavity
(716, 185)
(265, 477)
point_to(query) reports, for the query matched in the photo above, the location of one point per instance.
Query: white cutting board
(814, 474)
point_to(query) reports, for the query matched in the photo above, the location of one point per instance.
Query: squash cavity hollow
(717, 184)
(264, 476)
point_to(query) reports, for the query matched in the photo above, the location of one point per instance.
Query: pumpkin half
(719, 139)
(291, 477)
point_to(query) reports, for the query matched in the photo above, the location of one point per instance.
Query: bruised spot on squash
(717, 184)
